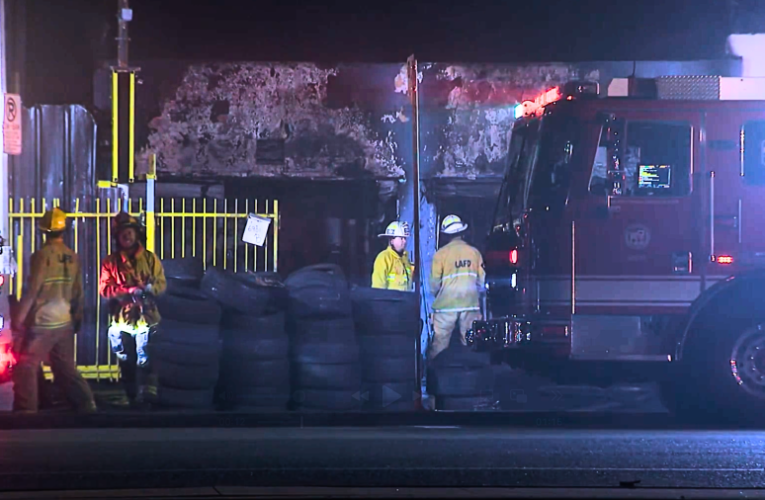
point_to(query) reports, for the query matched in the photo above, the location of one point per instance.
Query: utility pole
(415, 99)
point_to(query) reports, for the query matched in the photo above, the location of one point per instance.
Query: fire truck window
(754, 152)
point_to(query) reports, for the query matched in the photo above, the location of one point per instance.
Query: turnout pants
(443, 326)
(57, 347)
(131, 350)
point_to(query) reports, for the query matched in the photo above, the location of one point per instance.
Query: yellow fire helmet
(452, 224)
(124, 220)
(53, 221)
(396, 229)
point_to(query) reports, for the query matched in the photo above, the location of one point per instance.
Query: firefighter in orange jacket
(48, 316)
(457, 281)
(392, 269)
(130, 279)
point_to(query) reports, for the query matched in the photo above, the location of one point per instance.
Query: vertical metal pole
(115, 127)
(131, 130)
(151, 176)
(4, 194)
(122, 37)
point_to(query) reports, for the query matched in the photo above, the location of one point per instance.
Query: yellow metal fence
(205, 229)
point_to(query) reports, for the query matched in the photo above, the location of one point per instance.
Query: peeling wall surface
(300, 120)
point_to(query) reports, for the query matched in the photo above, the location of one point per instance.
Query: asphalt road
(380, 457)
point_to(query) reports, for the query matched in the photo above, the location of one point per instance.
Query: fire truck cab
(629, 234)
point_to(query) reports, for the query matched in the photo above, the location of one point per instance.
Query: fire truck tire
(469, 403)
(390, 396)
(185, 269)
(327, 400)
(386, 346)
(180, 398)
(386, 312)
(178, 332)
(337, 330)
(186, 354)
(189, 308)
(389, 369)
(319, 292)
(177, 376)
(325, 352)
(238, 292)
(461, 381)
(321, 376)
(245, 373)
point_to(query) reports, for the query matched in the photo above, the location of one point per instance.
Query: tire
(386, 312)
(185, 354)
(179, 398)
(276, 398)
(175, 283)
(325, 353)
(188, 308)
(187, 269)
(391, 396)
(459, 356)
(319, 291)
(461, 381)
(327, 400)
(176, 376)
(316, 376)
(254, 326)
(257, 349)
(245, 373)
(238, 292)
(337, 330)
(379, 369)
(387, 346)
(177, 332)
(469, 403)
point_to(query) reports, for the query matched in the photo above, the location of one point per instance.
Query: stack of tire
(387, 327)
(185, 355)
(461, 379)
(326, 370)
(255, 372)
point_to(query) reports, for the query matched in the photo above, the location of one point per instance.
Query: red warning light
(2, 280)
(725, 259)
(514, 256)
(536, 106)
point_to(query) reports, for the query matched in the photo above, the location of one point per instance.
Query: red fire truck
(629, 240)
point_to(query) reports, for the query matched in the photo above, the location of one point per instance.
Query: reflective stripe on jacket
(119, 274)
(457, 277)
(54, 294)
(392, 271)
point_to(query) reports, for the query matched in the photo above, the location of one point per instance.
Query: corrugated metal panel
(59, 161)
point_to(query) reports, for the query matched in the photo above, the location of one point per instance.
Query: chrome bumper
(499, 333)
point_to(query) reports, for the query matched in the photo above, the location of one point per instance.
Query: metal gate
(200, 228)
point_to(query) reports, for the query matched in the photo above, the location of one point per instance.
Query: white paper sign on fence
(256, 230)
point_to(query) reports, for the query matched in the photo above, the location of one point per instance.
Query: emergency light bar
(689, 88)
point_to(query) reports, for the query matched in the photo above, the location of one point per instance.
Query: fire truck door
(736, 155)
(637, 239)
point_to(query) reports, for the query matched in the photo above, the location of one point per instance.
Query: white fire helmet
(452, 224)
(395, 229)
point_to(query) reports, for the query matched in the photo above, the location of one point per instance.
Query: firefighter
(47, 317)
(130, 279)
(457, 282)
(392, 269)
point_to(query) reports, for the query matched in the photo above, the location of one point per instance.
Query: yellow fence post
(151, 176)
(115, 127)
(20, 264)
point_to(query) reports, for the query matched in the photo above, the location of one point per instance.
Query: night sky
(65, 38)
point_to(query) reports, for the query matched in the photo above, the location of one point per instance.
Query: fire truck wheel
(386, 312)
(180, 398)
(245, 373)
(325, 352)
(321, 376)
(237, 293)
(390, 396)
(186, 269)
(392, 346)
(310, 400)
(188, 308)
(461, 381)
(389, 369)
(178, 376)
(319, 292)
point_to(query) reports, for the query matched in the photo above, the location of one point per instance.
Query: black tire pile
(255, 371)
(461, 379)
(185, 355)
(326, 372)
(387, 326)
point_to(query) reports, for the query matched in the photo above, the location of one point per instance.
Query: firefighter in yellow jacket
(130, 279)
(392, 269)
(48, 316)
(457, 281)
